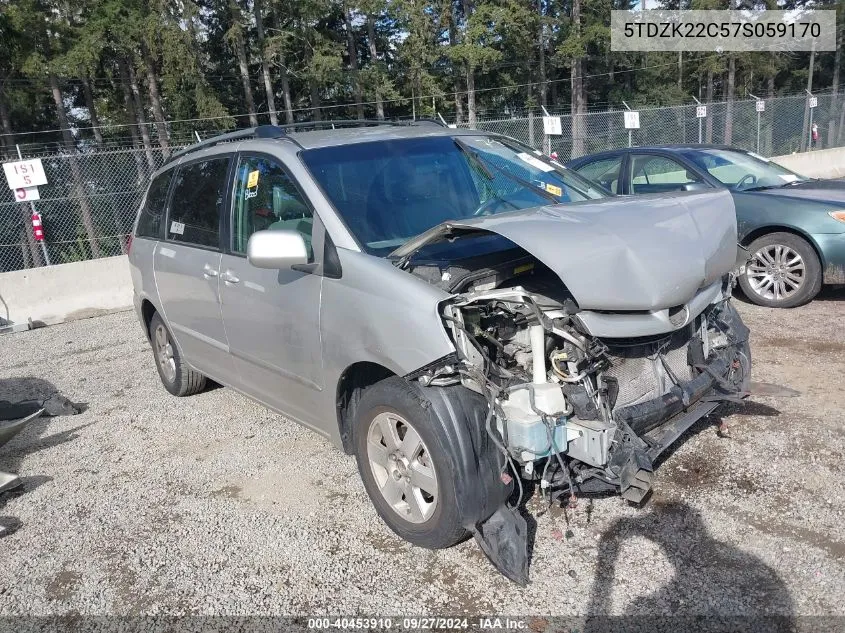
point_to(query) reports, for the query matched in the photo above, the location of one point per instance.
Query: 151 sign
(25, 173)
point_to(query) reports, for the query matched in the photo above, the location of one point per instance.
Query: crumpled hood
(624, 253)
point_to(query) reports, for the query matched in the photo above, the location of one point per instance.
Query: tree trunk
(283, 72)
(541, 45)
(132, 118)
(709, 122)
(76, 172)
(155, 100)
(243, 64)
(731, 93)
(315, 99)
(139, 113)
(265, 63)
(453, 41)
(353, 63)
(92, 110)
(834, 97)
(286, 92)
(578, 99)
(472, 118)
(680, 69)
(6, 123)
(371, 42)
(470, 74)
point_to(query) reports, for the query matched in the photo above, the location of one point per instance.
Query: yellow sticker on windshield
(555, 191)
(252, 179)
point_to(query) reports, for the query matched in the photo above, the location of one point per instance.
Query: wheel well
(766, 230)
(147, 312)
(351, 385)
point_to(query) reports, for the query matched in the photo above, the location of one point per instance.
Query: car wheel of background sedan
(403, 462)
(783, 272)
(176, 376)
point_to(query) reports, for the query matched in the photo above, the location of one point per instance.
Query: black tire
(184, 381)
(394, 395)
(811, 278)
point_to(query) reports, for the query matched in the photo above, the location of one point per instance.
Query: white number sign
(814, 101)
(27, 194)
(701, 112)
(632, 120)
(551, 125)
(25, 173)
(760, 105)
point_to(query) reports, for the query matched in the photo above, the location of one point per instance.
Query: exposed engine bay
(594, 344)
(581, 414)
(556, 391)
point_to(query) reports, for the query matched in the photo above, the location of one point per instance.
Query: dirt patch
(63, 585)
(820, 347)
(801, 535)
(694, 469)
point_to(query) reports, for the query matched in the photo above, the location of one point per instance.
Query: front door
(272, 317)
(187, 265)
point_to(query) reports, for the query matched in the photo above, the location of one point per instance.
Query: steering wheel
(491, 206)
(751, 178)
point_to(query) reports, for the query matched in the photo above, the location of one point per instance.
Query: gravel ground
(150, 504)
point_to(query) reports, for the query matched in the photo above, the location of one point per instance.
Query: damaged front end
(578, 413)
(597, 334)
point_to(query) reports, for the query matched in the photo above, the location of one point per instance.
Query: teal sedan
(793, 226)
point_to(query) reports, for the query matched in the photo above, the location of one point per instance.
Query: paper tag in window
(252, 179)
(554, 190)
(177, 227)
(535, 163)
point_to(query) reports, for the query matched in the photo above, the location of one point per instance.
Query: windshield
(742, 171)
(390, 191)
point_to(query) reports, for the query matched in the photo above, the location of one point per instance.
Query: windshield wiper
(475, 158)
(485, 165)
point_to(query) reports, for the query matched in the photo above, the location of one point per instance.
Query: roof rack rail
(280, 131)
(262, 131)
(343, 123)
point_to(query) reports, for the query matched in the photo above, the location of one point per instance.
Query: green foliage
(189, 50)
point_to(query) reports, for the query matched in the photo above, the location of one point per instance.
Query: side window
(604, 171)
(199, 192)
(266, 199)
(656, 174)
(149, 221)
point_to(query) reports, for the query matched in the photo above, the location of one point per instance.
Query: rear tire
(176, 376)
(404, 464)
(783, 272)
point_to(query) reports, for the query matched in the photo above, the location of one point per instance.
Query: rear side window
(149, 222)
(199, 192)
(604, 171)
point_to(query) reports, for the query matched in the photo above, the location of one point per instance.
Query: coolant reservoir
(526, 434)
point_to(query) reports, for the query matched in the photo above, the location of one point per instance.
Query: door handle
(208, 272)
(229, 277)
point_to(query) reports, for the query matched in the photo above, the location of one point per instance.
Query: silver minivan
(458, 311)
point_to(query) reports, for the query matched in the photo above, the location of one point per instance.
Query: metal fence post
(34, 212)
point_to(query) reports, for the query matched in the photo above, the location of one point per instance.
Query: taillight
(129, 243)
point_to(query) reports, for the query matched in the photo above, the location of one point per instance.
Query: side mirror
(276, 249)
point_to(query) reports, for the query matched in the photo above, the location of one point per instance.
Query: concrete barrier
(823, 163)
(54, 294)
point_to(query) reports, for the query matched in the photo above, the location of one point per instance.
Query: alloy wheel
(401, 467)
(776, 272)
(164, 353)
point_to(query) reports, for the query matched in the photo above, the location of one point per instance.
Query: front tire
(403, 460)
(176, 376)
(783, 272)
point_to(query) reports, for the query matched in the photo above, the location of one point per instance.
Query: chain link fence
(89, 205)
(783, 128)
